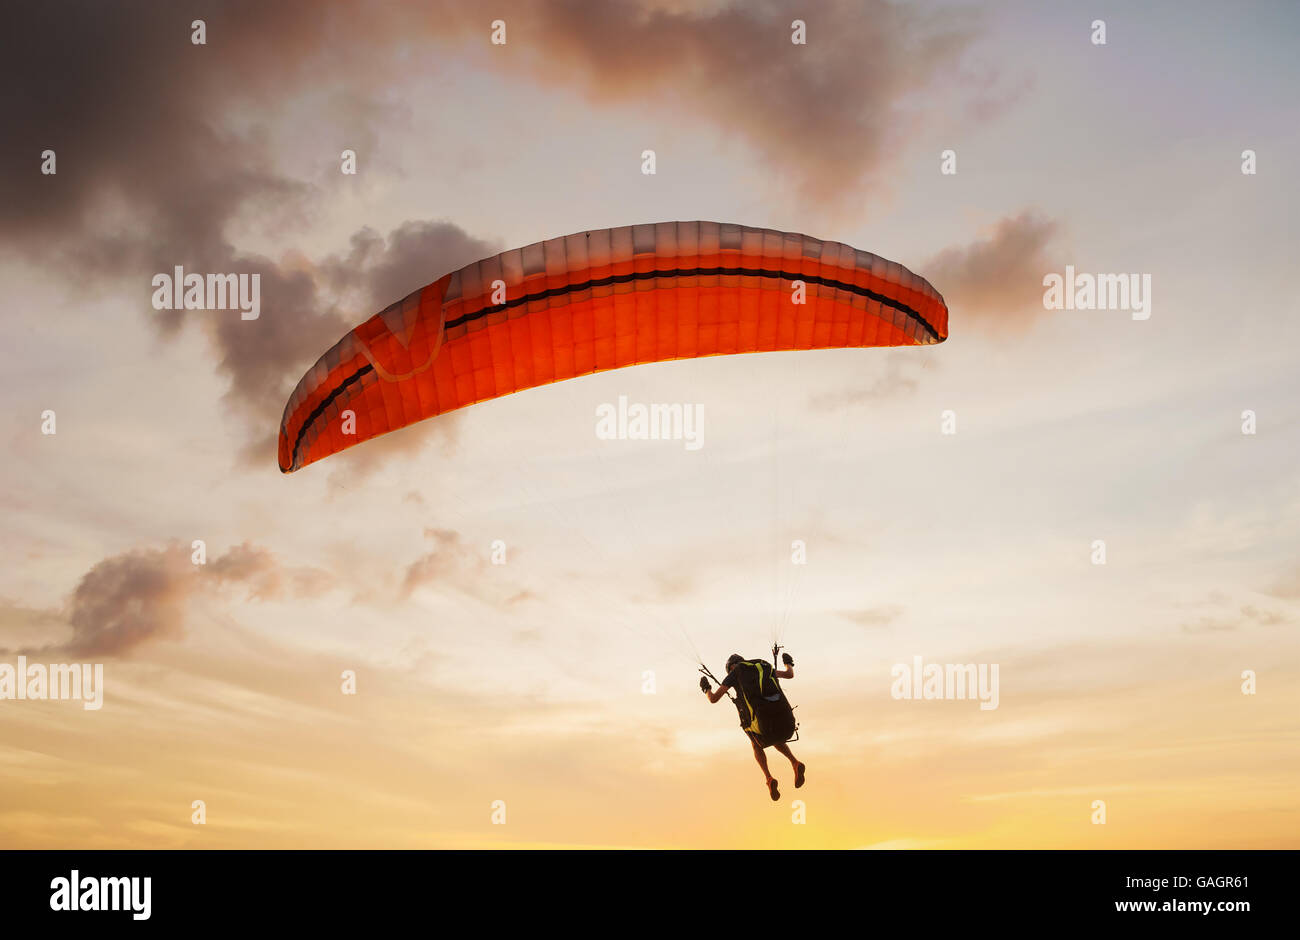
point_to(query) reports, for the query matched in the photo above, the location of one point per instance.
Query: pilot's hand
(787, 659)
(704, 685)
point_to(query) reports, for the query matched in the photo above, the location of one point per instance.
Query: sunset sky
(527, 682)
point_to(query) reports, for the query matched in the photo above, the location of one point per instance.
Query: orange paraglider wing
(595, 301)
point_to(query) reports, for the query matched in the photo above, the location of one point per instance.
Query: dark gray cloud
(152, 173)
(161, 145)
(159, 129)
(383, 269)
(139, 119)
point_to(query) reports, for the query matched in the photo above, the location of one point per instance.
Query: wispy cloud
(895, 378)
(874, 616)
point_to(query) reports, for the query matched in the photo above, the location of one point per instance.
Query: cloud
(163, 152)
(28, 626)
(382, 270)
(1286, 586)
(874, 616)
(1266, 618)
(264, 358)
(457, 566)
(138, 117)
(996, 283)
(851, 89)
(825, 115)
(152, 129)
(131, 599)
(265, 578)
(1210, 625)
(450, 559)
(1248, 615)
(675, 584)
(154, 171)
(897, 378)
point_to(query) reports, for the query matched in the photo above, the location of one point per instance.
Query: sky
(552, 701)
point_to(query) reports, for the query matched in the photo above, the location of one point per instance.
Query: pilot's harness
(753, 713)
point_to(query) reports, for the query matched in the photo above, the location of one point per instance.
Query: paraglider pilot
(765, 714)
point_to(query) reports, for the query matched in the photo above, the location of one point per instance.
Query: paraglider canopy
(594, 301)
